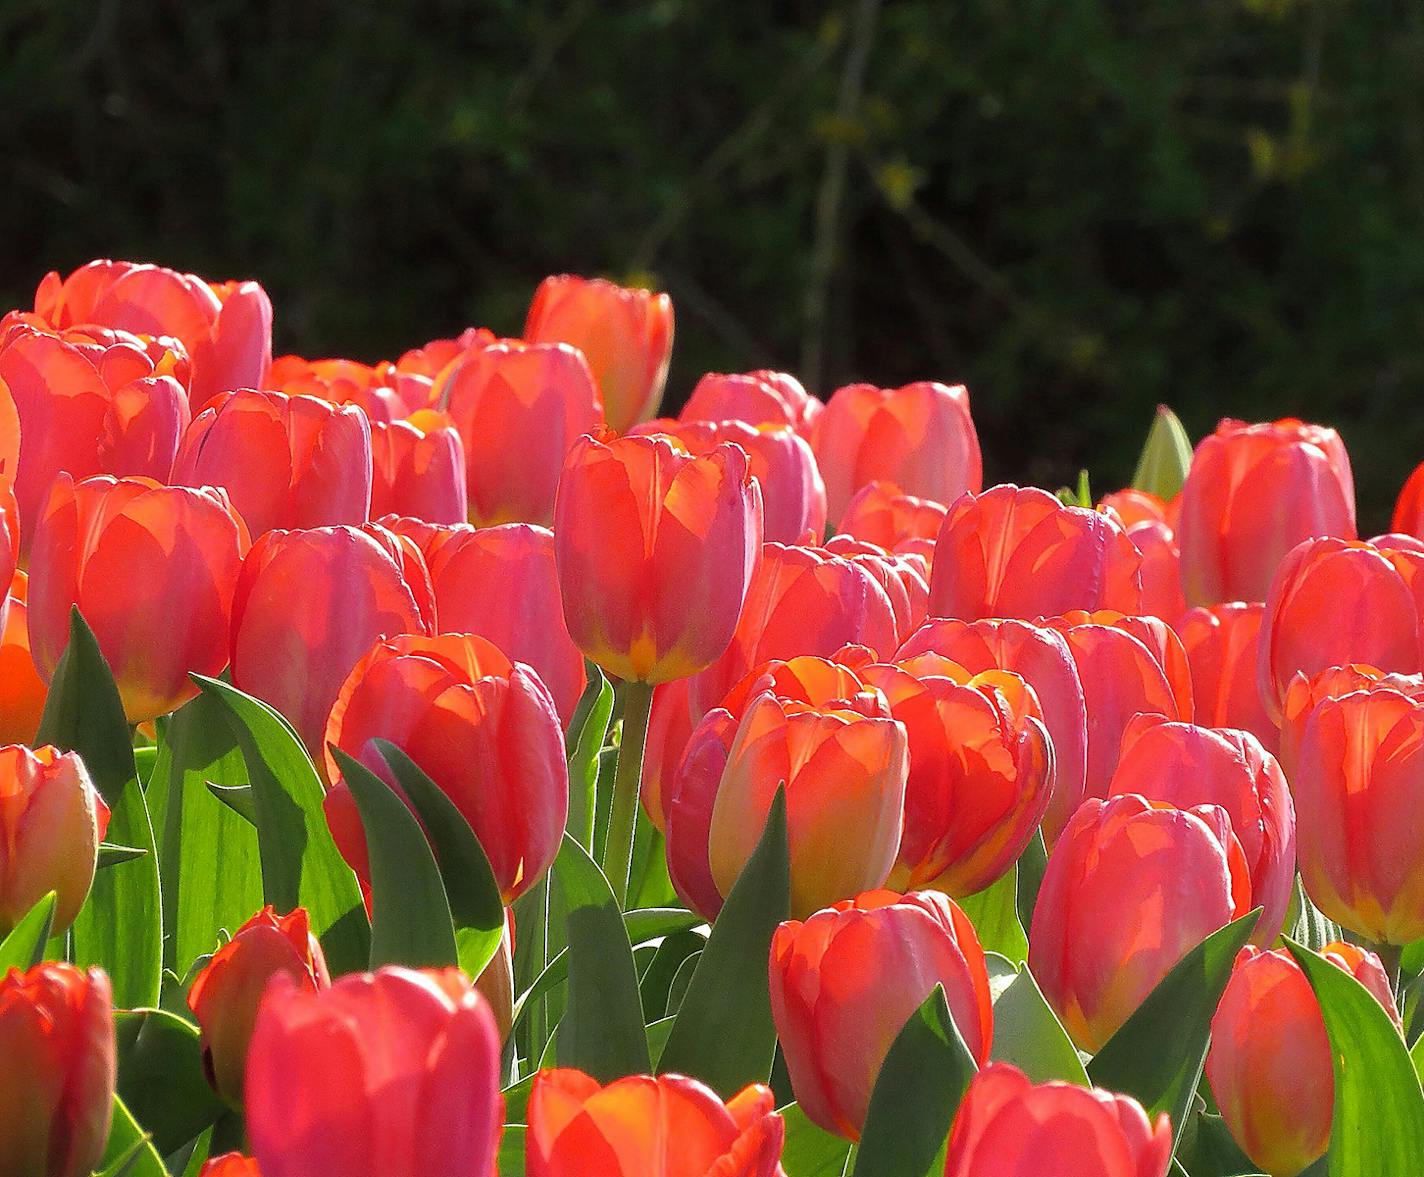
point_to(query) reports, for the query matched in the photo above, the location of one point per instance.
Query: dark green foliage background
(1078, 207)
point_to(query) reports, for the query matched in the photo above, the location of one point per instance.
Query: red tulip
(1270, 1062)
(226, 327)
(1252, 494)
(1185, 765)
(384, 391)
(418, 468)
(22, 690)
(1304, 694)
(642, 1125)
(139, 560)
(881, 513)
(519, 408)
(230, 1164)
(758, 398)
(1222, 642)
(286, 461)
(625, 334)
(1408, 517)
(387, 1074)
(431, 359)
(1130, 888)
(57, 1040)
(482, 727)
(294, 649)
(1007, 1124)
(1134, 507)
(655, 551)
(1333, 603)
(1019, 552)
(844, 983)
(920, 437)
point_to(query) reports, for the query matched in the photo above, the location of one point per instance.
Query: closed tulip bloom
(655, 551)
(432, 358)
(1333, 603)
(226, 327)
(1269, 1065)
(1006, 1124)
(22, 690)
(1162, 643)
(285, 461)
(418, 468)
(844, 768)
(310, 604)
(920, 437)
(139, 560)
(1221, 643)
(1305, 693)
(905, 579)
(227, 991)
(883, 514)
(756, 398)
(1408, 517)
(1161, 570)
(383, 391)
(1252, 494)
(623, 332)
(230, 1164)
(1018, 552)
(844, 983)
(57, 1040)
(481, 726)
(669, 730)
(1135, 506)
(519, 407)
(1130, 888)
(387, 1074)
(1187, 765)
(667, 1125)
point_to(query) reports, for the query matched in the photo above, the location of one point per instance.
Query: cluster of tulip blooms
(447, 767)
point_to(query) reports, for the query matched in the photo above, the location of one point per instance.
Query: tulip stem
(627, 781)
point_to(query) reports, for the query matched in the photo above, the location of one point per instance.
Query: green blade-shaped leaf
(161, 1077)
(587, 732)
(1166, 456)
(300, 862)
(510, 1161)
(916, 1094)
(1157, 1055)
(724, 1033)
(112, 854)
(237, 798)
(130, 1153)
(1028, 1034)
(1379, 1108)
(410, 914)
(995, 916)
(120, 928)
(602, 1028)
(24, 947)
(811, 1151)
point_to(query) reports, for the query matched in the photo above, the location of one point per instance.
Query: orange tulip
(883, 514)
(1252, 494)
(22, 690)
(482, 727)
(1221, 642)
(844, 983)
(1186, 765)
(624, 333)
(1041, 657)
(519, 408)
(226, 327)
(1304, 694)
(666, 1125)
(920, 437)
(1019, 552)
(418, 468)
(230, 1164)
(384, 391)
(139, 560)
(758, 398)
(286, 461)
(844, 767)
(431, 359)
(1007, 1124)
(1269, 1065)
(387, 1074)
(1130, 889)
(225, 995)
(57, 1040)
(295, 649)
(1333, 603)
(655, 551)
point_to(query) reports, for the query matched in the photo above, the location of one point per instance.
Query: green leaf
(662, 970)
(1157, 1055)
(919, 1087)
(995, 916)
(300, 862)
(601, 1032)
(161, 1077)
(510, 1161)
(129, 1153)
(810, 1150)
(724, 1033)
(111, 854)
(1028, 1034)
(24, 947)
(1166, 456)
(469, 882)
(238, 798)
(1310, 926)
(587, 731)
(120, 928)
(1379, 1108)
(1029, 875)
(410, 920)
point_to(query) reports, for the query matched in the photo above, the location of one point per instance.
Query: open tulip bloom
(471, 763)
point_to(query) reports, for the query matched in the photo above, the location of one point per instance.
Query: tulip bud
(231, 1164)
(1151, 883)
(225, 995)
(1006, 1124)
(57, 1040)
(1221, 642)
(624, 333)
(418, 468)
(387, 1074)
(1252, 494)
(882, 514)
(655, 551)
(22, 690)
(482, 727)
(844, 983)
(757, 398)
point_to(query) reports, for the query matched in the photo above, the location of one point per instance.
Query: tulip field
(448, 767)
